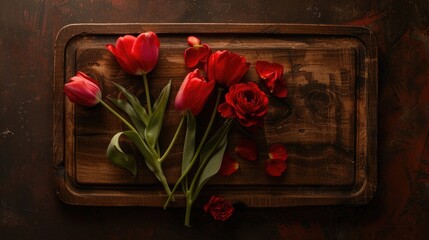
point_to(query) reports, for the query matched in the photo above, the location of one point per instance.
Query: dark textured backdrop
(30, 210)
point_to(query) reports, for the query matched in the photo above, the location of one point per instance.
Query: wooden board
(328, 122)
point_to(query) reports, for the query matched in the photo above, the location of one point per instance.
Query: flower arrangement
(239, 101)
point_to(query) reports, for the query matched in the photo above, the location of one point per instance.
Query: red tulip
(196, 53)
(226, 68)
(193, 93)
(83, 90)
(272, 74)
(136, 56)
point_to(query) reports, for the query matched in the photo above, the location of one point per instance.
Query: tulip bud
(83, 90)
(193, 93)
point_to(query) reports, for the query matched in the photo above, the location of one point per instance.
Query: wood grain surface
(30, 208)
(324, 122)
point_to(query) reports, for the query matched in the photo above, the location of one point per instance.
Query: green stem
(147, 93)
(119, 116)
(164, 183)
(189, 203)
(200, 146)
(173, 140)
(193, 186)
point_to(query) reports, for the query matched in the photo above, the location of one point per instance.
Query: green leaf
(154, 124)
(130, 111)
(134, 101)
(211, 157)
(118, 157)
(149, 156)
(189, 144)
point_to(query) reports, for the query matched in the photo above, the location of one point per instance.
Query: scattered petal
(278, 151)
(247, 149)
(229, 165)
(275, 167)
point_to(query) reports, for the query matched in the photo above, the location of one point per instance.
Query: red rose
(136, 56)
(83, 90)
(226, 68)
(193, 93)
(219, 208)
(246, 102)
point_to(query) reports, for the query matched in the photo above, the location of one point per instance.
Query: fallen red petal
(275, 167)
(247, 149)
(278, 151)
(229, 165)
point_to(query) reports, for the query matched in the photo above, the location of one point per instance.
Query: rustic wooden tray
(328, 122)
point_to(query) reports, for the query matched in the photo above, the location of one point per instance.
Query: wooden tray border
(366, 137)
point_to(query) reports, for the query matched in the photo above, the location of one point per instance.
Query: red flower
(226, 68)
(196, 53)
(193, 93)
(83, 90)
(229, 165)
(247, 149)
(272, 73)
(219, 208)
(276, 164)
(136, 56)
(246, 102)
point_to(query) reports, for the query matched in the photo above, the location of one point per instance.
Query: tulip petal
(247, 149)
(123, 54)
(194, 55)
(145, 51)
(275, 167)
(280, 89)
(193, 93)
(264, 69)
(193, 41)
(278, 151)
(229, 165)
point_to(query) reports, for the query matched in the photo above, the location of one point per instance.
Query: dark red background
(30, 210)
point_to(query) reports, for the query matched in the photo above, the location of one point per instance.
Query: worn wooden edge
(361, 192)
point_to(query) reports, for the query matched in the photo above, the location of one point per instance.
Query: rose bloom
(136, 56)
(245, 102)
(226, 68)
(219, 208)
(83, 90)
(193, 93)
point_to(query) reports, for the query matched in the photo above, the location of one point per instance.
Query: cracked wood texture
(30, 208)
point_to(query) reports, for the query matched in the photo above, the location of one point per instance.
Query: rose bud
(136, 56)
(196, 53)
(83, 90)
(245, 102)
(226, 68)
(219, 208)
(272, 74)
(193, 93)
